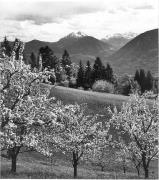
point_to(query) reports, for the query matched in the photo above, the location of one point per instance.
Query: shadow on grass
(6, 174)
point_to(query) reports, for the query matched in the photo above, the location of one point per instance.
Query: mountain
(79, 45)
(69, 39)
(140, 52)
(83, 44)
(118, 40)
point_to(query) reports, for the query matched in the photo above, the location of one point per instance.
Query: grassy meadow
(36, 166)
(96, 102)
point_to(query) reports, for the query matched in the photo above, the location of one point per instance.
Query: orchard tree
(138, 121)
(81, 133)
(125, 156)
(104, 155)
(122, 158)
(23, 105)
(136, 161)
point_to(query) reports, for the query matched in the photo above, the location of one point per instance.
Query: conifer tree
(87, 76)
(108, 73)
(80, 75)
(66, 63)
(142, 80)
(49, 60)
(7, 48)
(145, 81)
(149, 81)
(33, 60)
(137, 76)
(16, 43)
(98, 69)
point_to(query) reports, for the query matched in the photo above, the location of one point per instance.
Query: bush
(103, 86)
(80, 88)
(150, 95)
(72, 83)
(64, 83)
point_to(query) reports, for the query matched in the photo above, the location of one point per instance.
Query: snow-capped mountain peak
(76, 34)
(127, 35)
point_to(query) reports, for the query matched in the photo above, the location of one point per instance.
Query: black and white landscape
(79, 89)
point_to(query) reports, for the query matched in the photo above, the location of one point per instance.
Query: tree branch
(149, 159)
(8, 82)
(78, 158)
(138, 143)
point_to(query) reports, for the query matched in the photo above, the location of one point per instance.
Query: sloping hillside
(141, 52)
(118, 40)
(79, 46)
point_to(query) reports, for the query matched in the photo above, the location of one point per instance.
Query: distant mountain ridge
(128, 35)
(79, 45)
(119, 40)
(140, 52)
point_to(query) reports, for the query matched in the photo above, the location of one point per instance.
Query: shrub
(65, 83)
(80, 88)
(72, 82)
(103, 86)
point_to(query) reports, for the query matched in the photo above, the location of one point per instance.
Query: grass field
(34, 165)
(96, 102)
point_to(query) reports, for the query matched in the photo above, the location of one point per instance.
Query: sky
(50, 20)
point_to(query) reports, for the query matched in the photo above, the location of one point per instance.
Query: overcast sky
(50, 20)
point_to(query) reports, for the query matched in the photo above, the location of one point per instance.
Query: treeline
(62, 67)
(87, 75)
(97, 76)
(144, 80)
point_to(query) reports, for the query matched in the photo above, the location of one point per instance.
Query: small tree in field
(138, 121)
(81, 133)
(23, 105)
(103, 155)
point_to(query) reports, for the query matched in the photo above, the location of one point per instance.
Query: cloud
(112, 11)
(50, 20)
(36, 19)
(148, 7)
(41, 12)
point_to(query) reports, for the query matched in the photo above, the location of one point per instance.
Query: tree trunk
(13, 152)
(146, 172)
(14, 163)
(138, 172)
(145, 165)
(75, 163)
(124, 169)
(102, 168)
(75, 169)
